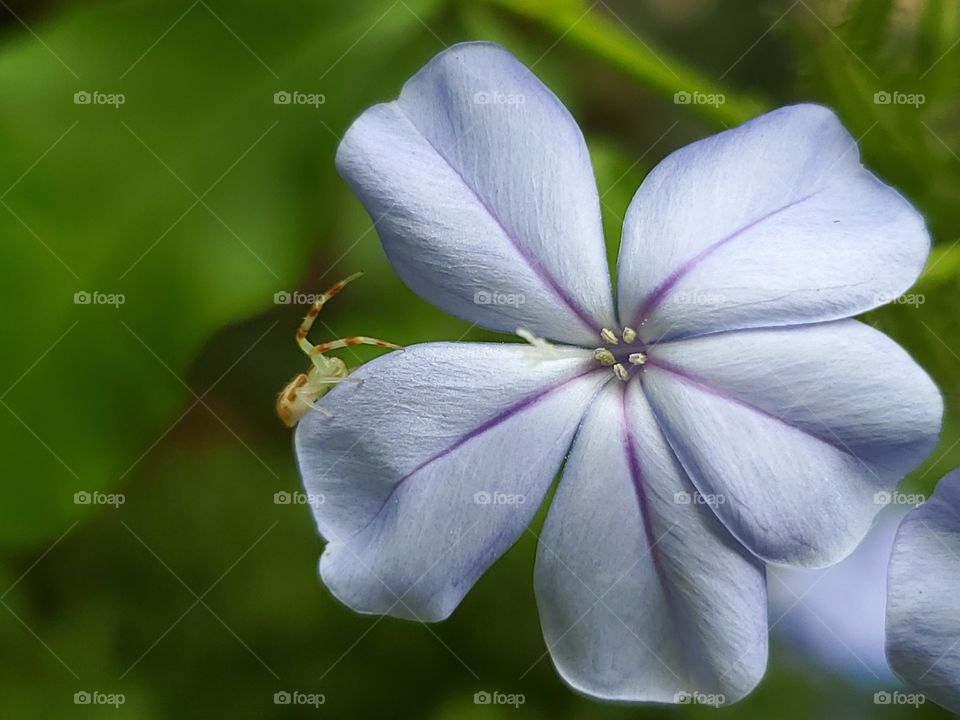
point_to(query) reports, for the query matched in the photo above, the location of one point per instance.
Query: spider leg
(350, 342)
(314, 310)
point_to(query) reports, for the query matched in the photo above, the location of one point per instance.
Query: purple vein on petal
(500, 417)
(707, 386)
(640, 490)
(659, 293)
(636, 477)
(548, 280)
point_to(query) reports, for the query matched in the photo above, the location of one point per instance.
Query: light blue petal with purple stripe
(433, 465)
(797, 428)
(774, 222)
(481, 188)
(643, 594)
(923, 597)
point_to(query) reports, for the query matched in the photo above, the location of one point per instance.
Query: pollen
(609, 336)
(637, 358)
(604, 356)
(629, 335)
(621, 372)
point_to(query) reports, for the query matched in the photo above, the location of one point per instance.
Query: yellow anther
(637, 358)
(609, 336)
(621, 372)
(629, 335)
(604, 356)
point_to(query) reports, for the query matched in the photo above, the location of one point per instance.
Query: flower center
(621, 357)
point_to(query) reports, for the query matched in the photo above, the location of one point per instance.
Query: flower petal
(480, 185)
(798, 428)
(923, 587)
(833, 617)
(643, 594)
(432, 466)
(775, 222)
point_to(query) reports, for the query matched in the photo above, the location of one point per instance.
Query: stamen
(608, 336)
(533, 339)
(621, 372)
(637, 358)
(629, 335)
(604, 356)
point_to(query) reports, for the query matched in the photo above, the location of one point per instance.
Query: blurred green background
(181, 198)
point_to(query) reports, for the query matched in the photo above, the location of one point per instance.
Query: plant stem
(614, 43)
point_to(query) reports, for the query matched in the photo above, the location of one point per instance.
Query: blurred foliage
(196, 199)
(104, 199)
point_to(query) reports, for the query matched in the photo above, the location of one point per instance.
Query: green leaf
(867, 26)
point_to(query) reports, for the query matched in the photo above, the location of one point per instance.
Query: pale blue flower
(923, 597)
(732, 414)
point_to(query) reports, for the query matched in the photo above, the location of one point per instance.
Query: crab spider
(302, 393)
